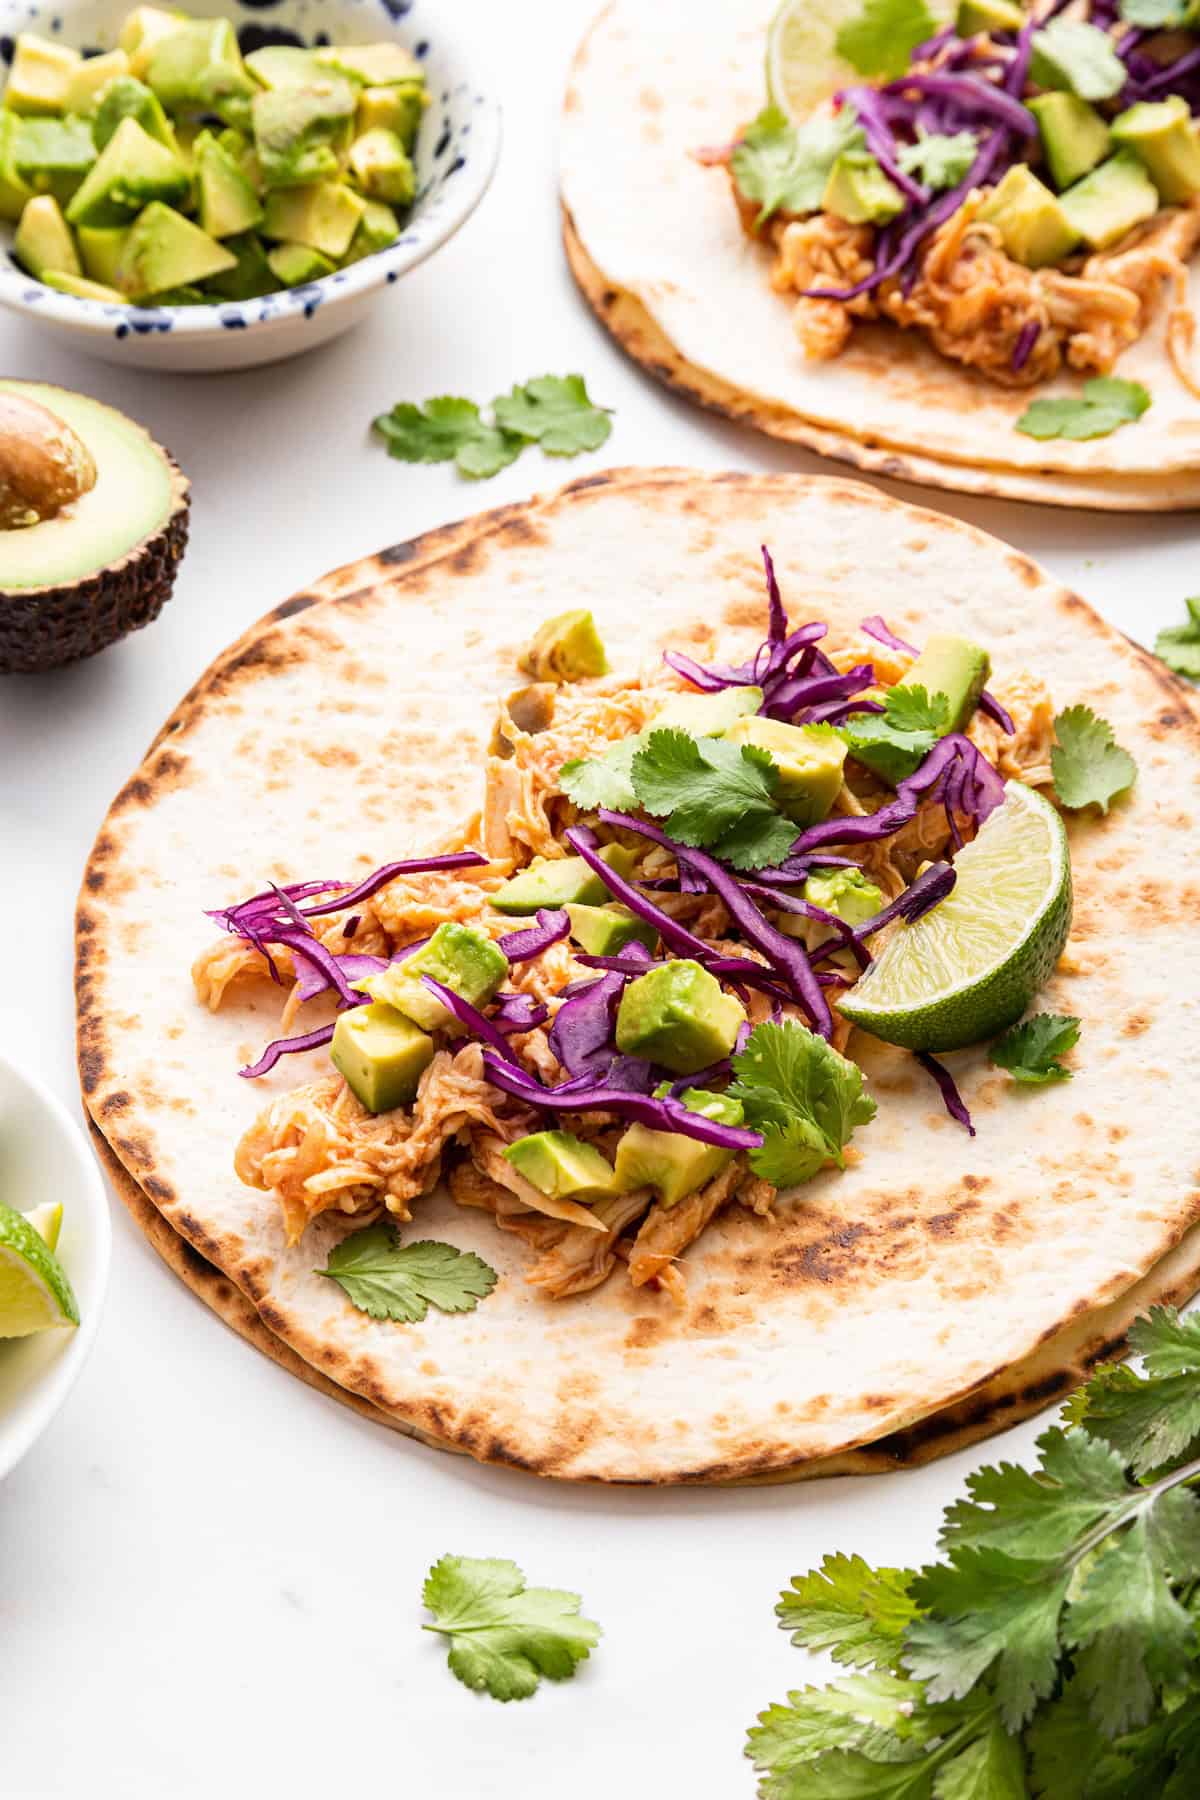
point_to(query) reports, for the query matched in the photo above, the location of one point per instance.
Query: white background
(210, 1578)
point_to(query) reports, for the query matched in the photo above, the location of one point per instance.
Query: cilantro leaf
(1068, 53)
(389, 1280)
(1080, 1484)
(857, 1613)
(1101, 406)
(991, 1768)
(939, 160)
(1089, 767)
(1151, 1419)
(871, 1713)
(1169, 1344)
(786, 167)
(557, 412)
(881, 40)
(895, 742)
(715, 795)
(447, 429)
(1179, 645)
(505, 1636)
(1064, 1746)
(596, 781)
(801, 1094)
(1030, 1051)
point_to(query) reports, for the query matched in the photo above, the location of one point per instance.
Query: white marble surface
(209, 1577)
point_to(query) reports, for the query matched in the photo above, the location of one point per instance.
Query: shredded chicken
(668, 1230)
(469, 1186)
(1025, 756)
(583, 1259)
(489, 1156)
(824, 252)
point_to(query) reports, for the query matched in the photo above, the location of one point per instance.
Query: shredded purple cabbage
(312, 980)
(665, 1114)
(954, 771)
(877, 627)
(310, 1040)
(521, 946)
(472, 1019)
(519, 1012)
(418, 865)
(1027, 338)
(954, 1102)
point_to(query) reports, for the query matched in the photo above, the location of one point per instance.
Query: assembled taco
(665, 1053)
(968, 258)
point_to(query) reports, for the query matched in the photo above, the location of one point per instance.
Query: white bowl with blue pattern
(455, 159)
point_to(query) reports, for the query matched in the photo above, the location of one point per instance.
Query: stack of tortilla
(655, 243)
(941, 1287)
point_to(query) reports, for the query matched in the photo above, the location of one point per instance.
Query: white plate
(44, 1157)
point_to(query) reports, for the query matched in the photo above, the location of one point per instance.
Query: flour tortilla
(346, 729)
(655, 242)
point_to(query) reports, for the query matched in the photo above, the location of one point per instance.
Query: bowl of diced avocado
(202, 193)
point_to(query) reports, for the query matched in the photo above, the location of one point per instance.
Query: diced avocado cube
(132, 170)
(1078, 56)
(377, 228)
(381, 166)
(299, 130)
(324, 216)
(673, 1165)
(1074, 136)
(15, 194)
(399, 109)
(1163, 134)
(144, 29)
(100, 248)
(375, 65)
(1031, 220)
(89, 80)
(975, 16)
(605, 930)
(295, 265)
(44, 242)
(381, 1054)
(53, 155)
(180, 296)
(228, 202)
(809, 759)
(680, 1016)
(461, 958)
(83, 290)
(563, 1166)
(565, 648)
(859, 192)
(844, 892)
(560, 881)
(283, 65)
(707, 715)
(40, 75)
(252, 275)
(176, 63)
(955, 667)
(165, 250)
(1111, 200)
(127, 98)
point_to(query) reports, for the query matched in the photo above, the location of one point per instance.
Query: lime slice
(803, 66)
(973, 964)
(34, 1290)
(47, 1221)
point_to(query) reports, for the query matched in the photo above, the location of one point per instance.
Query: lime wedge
(973, 964)
(34, 1290)
(47, 1221)
(803, 65)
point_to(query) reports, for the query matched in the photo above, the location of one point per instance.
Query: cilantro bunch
(554, 411)
(1053, 1653)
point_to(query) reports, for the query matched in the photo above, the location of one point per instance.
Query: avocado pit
(44, 465)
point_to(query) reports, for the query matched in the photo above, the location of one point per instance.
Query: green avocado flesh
(132, 498)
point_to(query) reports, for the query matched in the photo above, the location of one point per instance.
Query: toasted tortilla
(655, 243)
(350, 726)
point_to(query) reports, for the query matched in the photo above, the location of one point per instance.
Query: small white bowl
(456, 154)
(44, 1157)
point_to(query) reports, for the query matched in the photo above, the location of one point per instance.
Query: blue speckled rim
(462, 125)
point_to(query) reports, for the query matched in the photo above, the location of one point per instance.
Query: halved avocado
(93, 522)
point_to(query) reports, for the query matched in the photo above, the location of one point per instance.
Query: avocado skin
(43, 628)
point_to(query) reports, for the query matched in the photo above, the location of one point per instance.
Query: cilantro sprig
(881, 39)
(939, 159)
(1053, 1651)
(1179, 645)
(390, 1280)
(1098, 409)
(896, 741)
(1089, 766)
(504, 1636)
(784, 166)
(1030, 1051)
(803, 1096)
(554, 411)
